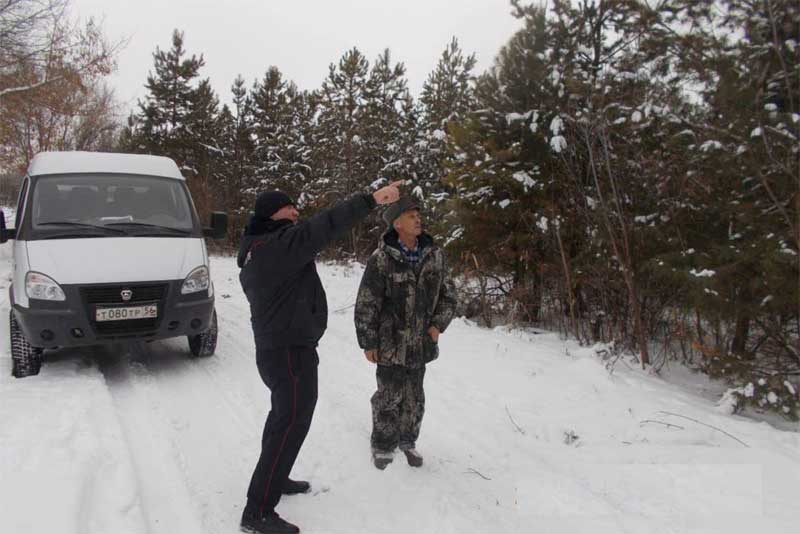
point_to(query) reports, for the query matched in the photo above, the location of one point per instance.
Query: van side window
(21, 203)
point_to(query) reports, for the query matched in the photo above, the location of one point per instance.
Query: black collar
(258, 226)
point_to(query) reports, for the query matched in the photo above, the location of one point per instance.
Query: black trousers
(291, 375)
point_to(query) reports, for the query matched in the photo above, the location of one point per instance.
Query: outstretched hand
(389, 193)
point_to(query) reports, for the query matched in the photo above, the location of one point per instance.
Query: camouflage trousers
(397, 407)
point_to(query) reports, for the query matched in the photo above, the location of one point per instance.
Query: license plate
(146, 311)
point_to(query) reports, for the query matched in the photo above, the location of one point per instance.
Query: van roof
(102, 162)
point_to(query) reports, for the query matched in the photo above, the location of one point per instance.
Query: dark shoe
(293, 487)
(414, 458)
(382, 458)
(267, 524)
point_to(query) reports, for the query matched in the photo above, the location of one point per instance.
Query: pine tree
(562, 160)
(498, 169)
(179, 119)
(303, 106)
(447, 96)
(341, 157)
(340, 126)
(270, 113)
(386, 95)
(608, 142)
(236, 166)
(281, 155)
(204, 155)
(447, 92)
(162, 115)
(741, 169)
(240, 146)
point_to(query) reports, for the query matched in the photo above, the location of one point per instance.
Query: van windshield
(99, 205)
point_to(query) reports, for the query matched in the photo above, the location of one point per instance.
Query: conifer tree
(499, 166)
(281, 155)
(447, 92)
(163, 113)
(236, 168)
(607, 139)
(270, 114)
(204, 155)
(741, 169)
(341, 156)
(179, 118)
(303, 106)
(341, 126)
(447, 96)
(239, 145)
(386, 94)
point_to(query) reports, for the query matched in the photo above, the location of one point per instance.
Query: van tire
(26, 359)
(204, 345)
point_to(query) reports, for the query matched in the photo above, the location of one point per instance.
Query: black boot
(293, 487)
(413, 457)
(382, 458)
(271, 523)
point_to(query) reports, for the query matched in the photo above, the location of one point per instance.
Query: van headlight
(197, 280)
(42, 287)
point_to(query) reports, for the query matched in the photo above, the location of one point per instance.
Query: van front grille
(113, 294)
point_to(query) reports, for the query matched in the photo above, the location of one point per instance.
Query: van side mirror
(6, 233)
(219, 226)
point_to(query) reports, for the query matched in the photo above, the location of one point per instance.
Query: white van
(108, 248)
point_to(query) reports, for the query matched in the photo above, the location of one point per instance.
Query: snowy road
(144, 440)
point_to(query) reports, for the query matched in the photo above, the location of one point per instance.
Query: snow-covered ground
(523, 433)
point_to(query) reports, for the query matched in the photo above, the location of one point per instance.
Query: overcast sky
(301, 37)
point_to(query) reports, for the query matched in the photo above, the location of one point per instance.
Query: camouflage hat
(398, 208)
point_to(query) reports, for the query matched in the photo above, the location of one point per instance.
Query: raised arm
(307, 238)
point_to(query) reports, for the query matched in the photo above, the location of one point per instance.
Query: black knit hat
(398, 208)
(269, 202)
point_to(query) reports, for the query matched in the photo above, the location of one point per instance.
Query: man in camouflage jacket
(406, 299)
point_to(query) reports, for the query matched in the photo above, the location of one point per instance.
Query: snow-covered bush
(755, 388)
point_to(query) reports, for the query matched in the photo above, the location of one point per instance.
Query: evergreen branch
(777, 49)
(708, 127)
(773, 197)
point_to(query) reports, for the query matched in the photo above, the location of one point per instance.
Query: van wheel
(203, 345)
(26, 359)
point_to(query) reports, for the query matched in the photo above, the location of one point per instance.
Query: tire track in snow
(187, 422)
(165, 499)
(206, 412)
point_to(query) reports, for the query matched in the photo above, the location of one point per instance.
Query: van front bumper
(71, 323)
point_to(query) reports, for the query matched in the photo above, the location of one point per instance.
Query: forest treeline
(627, 172)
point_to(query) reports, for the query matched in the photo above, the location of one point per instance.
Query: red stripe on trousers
(286, 435)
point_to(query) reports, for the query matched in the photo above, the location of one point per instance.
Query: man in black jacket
(289, 314)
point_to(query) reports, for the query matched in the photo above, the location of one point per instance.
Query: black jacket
(287, 302)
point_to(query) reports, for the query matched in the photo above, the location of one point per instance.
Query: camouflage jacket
(398, 302)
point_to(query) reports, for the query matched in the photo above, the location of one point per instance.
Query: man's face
(286, 212)
(409, 223)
